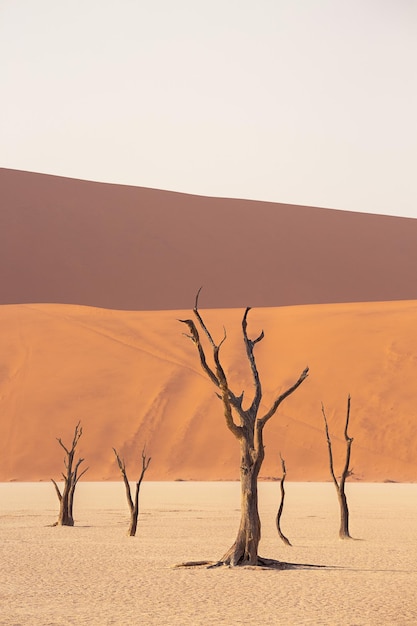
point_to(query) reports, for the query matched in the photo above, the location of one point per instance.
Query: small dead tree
(71, 478)
(281, 504)
(346, 472)
(248, 431)
(133, 505)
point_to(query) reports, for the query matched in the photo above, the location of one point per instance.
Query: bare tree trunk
(71, 478)
(134, 515)
(76, 477)
(65, 516)
(249, 432)
(344, 516)
(133, 505)
(281, 504)
(244, 551)
(340, 485)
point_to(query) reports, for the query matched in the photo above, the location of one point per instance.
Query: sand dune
(121, 365)
(118, 247)
(132, 378)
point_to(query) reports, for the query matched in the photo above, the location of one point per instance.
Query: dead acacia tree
(346, 472)
(281, 504)
(71, 478)
(133, 504)
(248, 431)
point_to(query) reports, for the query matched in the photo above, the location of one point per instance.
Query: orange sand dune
(132, 378)
(119, 247)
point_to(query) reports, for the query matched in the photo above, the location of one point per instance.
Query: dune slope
(118, 247)
(133, 379)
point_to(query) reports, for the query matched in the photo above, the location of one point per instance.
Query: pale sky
(302, 101)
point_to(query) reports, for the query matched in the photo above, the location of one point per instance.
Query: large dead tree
(133, 504)
(346, 472)
(71, 478)
(248, 430)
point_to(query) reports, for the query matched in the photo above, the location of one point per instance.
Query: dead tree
(248, 431)
(133, 505)
(340, 485)
(71, 478)
(281, 504)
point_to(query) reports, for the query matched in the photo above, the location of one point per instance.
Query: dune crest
(132, 378)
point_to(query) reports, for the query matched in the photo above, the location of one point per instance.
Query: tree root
(206, 564)
(262, 563)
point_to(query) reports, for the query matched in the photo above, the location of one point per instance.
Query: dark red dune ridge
(130, 248)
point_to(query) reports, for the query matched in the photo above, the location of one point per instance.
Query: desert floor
(95, 574)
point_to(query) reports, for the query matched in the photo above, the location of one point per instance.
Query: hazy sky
(302, 101)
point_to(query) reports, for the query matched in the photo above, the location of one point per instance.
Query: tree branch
(122, 468)
(281, 505)
(218, 377)
(145, 465)
(76, 476)
(195, 338)
(200, 319)
(329, 446)
(59, 440)
(282, 397)
(58, 492)
(77, 434)
(250, 344)
(349, 441)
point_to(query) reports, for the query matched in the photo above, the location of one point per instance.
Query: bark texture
(247, 426)
(133, 503)
(71, 478)
(346, 472)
